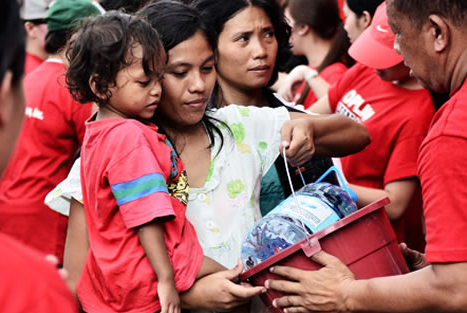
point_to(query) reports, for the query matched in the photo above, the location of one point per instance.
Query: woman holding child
(225, 152)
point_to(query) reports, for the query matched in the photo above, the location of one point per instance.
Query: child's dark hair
(102, 47)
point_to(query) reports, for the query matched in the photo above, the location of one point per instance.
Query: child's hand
(168, 297)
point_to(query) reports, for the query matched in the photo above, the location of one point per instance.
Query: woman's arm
(321, 106)
(400, 192)
(326, 135)
(281, 78)
(292, 81)
(76, 245)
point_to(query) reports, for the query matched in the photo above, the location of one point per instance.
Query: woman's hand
(292, 82)
(331, 135)
(298, 139)
(219, 292)
(313, 291)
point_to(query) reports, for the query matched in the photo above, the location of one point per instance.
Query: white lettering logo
(352, 105)
(34, 113)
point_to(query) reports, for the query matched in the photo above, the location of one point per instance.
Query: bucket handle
(297, 203)
(311, 247)
(346, 188)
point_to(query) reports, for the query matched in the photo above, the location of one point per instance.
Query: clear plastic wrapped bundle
(315, 206)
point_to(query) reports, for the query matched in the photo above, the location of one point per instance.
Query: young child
(142, 250)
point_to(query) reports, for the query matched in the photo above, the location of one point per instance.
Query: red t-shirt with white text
(52, 132)
(397, 120)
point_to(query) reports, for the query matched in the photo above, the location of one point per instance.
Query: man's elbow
(449, 287)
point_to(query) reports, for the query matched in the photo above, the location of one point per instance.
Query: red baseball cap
(374, 47)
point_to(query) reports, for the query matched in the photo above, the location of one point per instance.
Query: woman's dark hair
(56, 40)
(323, 17)
(360, 6)
(102, 47)
(177, 22)
(220, 12)
(12, 42)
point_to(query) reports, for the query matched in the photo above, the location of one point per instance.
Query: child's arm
(400, 192)
(151, 236)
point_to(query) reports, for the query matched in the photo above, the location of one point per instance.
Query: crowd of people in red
(142, 138)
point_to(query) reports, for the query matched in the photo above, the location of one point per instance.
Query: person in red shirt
(379, 93)
(358, 15)
(33, 14)
(52, 133)
(430, 37)
(318, 34)
(28, 282)
(135, 188)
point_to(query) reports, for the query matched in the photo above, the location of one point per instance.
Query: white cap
(34, 9)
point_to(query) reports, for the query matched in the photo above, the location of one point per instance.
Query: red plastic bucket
(364, 241)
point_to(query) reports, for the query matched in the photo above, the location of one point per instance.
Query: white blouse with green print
(225, 209)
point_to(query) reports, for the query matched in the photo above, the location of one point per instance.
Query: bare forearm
(337, 135)
(151, 236)
(400, 192)
(193, 298)
(426, 290)
(368, 195)
(319, 86)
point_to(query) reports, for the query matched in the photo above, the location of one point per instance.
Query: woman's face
(188, 82)
(354, 25)
(295, 36)
(247, 50)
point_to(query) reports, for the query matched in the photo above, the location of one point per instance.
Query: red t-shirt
(53, 130)
(397, 120)
(442, 171)
(29, 283)
(126, 167)
(31, 62)
(331, 74)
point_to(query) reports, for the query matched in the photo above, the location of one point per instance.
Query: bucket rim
(314, 238)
